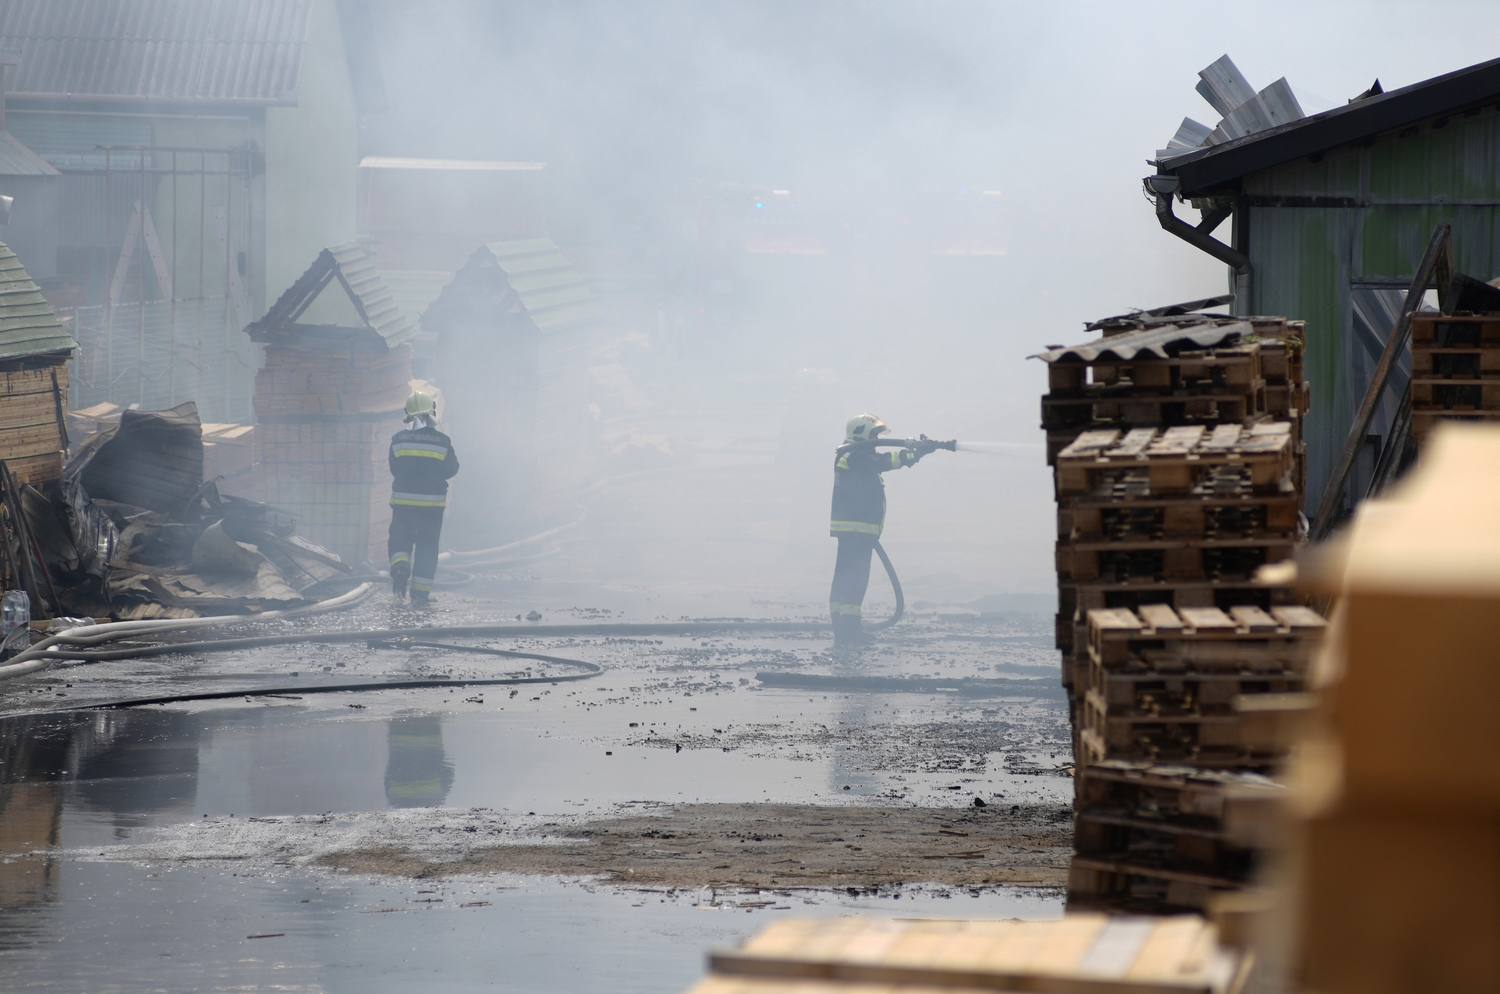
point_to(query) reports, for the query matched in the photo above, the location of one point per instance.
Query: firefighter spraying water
(858, 517)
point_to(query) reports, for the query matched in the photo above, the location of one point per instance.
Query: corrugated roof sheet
(28, 325)
(1160, 340)
(351, 268)
(532, 277)
(18, 160)
(552, 293)
(156, 50)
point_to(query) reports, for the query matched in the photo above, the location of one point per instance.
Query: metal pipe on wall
(1161, 188)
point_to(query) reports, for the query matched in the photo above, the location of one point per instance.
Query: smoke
(794, 212)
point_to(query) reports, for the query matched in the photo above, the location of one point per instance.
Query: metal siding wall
(1302, 271)
(1305, 257)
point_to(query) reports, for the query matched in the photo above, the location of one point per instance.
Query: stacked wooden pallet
(1172, 723)
(1236, 383)
(1079, 953)
(326, 419)
(1455, 369)
(1182, 516)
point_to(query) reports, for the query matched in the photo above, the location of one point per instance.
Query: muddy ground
(751, 846)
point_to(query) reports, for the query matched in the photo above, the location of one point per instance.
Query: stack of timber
(34, 351)
(1179, 474)
(328, 399)
(1390, 881)
(1455, 369)
(1079, 953)
(1180, 460)
(1178, 716)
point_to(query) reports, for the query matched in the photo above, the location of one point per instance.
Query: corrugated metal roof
(351, 268)
(1160, 340)
(1207, 169)
(531, 277)
(156, 50)
(552, 293)
(28, 325)
(18, 160)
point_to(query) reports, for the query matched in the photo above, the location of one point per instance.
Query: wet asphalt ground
(360, 840)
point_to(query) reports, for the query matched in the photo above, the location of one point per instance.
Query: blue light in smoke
(757, 206)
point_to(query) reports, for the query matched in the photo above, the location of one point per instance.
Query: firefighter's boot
(400, 574)
(848, 631)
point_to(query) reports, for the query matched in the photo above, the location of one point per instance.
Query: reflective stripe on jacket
(422, 462)
(858, 490)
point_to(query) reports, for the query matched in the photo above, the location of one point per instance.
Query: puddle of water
(118, 927)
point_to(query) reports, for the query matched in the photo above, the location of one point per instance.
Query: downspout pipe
(1162, 187)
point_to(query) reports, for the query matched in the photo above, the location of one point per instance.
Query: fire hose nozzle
(951, 445)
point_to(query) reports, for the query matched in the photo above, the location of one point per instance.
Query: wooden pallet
(1433, 330)
(1140, 886)
(1141, 560)
(1155, 639)
(1206, 518)
(1185, 460)
(1079, 953)
(1173, 797)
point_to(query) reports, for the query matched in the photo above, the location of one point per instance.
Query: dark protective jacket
(422, 462)
(858, 490)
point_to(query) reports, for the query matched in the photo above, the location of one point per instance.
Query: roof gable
(18, 160)
(28, 325)
(382, 325)
(1220, 167)
(530, 277)
(156, 51)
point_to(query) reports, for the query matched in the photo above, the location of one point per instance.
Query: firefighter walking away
(422, 462)
(859, 516)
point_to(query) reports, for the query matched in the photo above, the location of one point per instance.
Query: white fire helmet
(864, 427)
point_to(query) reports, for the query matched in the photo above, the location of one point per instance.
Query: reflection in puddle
(417, 772)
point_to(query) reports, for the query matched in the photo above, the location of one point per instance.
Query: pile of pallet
(326, 419)
(1079, 953)
(329, 397)
(1179, 470)
(1455, 369)
(1180, 461)
(1178, 717)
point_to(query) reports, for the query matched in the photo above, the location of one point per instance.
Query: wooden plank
(1161, 617)
(1298, 616)
(1206, 618)
(1254, 619)
(1133, 444)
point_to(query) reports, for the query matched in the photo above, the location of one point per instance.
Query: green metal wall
(1383, 202)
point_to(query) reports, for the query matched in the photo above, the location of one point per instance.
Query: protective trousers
(851, 577)
(414, 541)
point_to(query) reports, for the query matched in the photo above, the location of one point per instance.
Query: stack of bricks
(325, 422)
(1455, 369)
(1177, 720)
(1177, 478)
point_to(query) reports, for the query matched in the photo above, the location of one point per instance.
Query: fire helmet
(420, 403)
(864, 427)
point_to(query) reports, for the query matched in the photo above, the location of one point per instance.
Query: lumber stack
(325, 422)
(1236, 383)
(1079, 953)
(1455, 370)
(1391, 873)
(1179, 712)
(1179, 469)
(33, 410)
